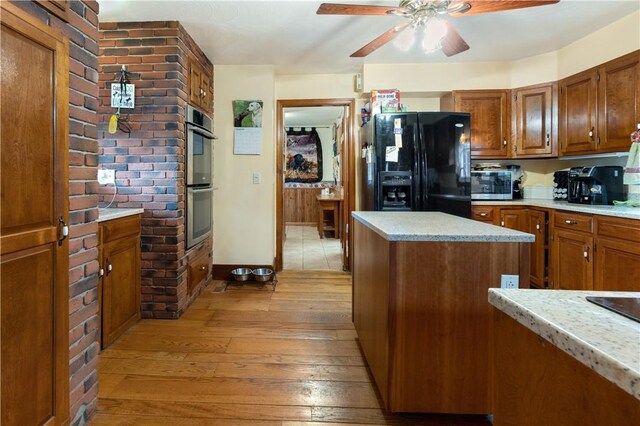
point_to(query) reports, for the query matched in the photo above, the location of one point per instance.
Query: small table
(333, 204)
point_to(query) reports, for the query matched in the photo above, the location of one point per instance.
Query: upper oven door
(199, 158)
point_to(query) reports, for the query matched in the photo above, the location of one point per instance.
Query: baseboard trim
(223, 272)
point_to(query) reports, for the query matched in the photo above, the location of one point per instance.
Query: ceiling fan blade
(380, 41)
(452, 43)
(353, 9)
(488, 6)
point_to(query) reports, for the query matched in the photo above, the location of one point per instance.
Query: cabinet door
(573, 253)
(534, 116)
(34, 256)
(488, 214)
(578, 113)
(617, 265)
(489, 121)
(195, 77)
(205, 85)
(618, 102)
(513, 219)
(121, 287)
(537, 225)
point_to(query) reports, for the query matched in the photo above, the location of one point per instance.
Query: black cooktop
(626, 306)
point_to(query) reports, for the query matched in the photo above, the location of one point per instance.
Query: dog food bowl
(241, 274)
(262, 274)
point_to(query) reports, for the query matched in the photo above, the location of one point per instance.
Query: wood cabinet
(536, 383)
(490, 119)
(536, 224)
(199, 268)
(425, 325)
(200, 90)
(513, 218)
(34, 249)
(600, 107)
(487, 214)
(535, 121)
(572, 251)
(617, 261)
(120, 276)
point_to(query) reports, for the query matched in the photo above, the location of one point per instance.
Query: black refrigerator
(417, 161)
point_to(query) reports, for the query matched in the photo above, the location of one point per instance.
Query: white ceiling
(312, 116)
(289, 34)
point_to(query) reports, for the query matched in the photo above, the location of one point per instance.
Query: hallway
(249, 357)
(304, 250)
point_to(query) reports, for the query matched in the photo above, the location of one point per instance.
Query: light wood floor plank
(249, 356)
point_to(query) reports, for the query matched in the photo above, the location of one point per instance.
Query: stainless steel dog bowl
(262, 274)
(241, 274)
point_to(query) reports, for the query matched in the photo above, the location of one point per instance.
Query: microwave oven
(491, 185)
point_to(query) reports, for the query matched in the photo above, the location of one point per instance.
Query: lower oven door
(199, 214)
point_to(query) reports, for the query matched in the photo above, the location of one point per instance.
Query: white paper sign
(247, 140)
(391, 154)
(120, 99)
(398, 141)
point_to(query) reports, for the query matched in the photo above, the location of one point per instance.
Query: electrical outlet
(509, 281)
(256, 178)
(106, 176)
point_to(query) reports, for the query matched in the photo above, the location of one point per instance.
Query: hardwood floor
(249, 357)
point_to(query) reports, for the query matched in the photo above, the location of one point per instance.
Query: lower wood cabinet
(120, 276)
(199, 267)
(536, 224)
(573, 260)
(617, 260)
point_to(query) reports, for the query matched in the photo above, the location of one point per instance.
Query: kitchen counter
(435, 226)
(616, 211)
(604, 341)
(115, 213)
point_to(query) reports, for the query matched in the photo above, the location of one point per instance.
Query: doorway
(327, 123)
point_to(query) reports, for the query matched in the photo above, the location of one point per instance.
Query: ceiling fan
(439, 34)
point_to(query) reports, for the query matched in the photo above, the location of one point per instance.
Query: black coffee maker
(595, 185)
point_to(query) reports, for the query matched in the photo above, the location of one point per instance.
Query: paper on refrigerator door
(397, 131)
(391, 154)
(398, 140)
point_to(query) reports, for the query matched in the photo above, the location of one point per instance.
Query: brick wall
(82, 31)
(150, 161)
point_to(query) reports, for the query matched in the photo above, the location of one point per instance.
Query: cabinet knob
(570, 222)
(502, 223)
(483, 214)
(109, 267)
(591, 132)
(101, 272)
(548, 139)
(202, 268)
(538, 226)
(504, 142)
(586, 253)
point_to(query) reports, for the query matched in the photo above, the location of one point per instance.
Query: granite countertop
(435, 226)
(602, 340)
(616, 211)
(115, 213)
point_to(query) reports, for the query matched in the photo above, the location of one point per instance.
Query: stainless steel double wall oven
(199, 171)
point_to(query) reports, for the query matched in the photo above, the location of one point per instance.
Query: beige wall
(315, 86)
(243, 213)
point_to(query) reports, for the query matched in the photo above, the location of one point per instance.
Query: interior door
(34, 253)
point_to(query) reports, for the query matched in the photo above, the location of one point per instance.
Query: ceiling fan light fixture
(406, 39)
(434, 31)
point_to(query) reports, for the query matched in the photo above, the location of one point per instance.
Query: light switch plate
(256, 178)
(106, 176)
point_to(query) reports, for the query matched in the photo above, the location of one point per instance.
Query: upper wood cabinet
(199, 87)
(535, 121)
(34, 249)
(600, 107)
(490, 119)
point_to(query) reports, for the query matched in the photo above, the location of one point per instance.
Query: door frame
(348, 179)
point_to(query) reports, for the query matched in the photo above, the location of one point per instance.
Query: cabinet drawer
(574, 221)
(198, 269)
(118, 228)
(621, 229)
(483, 213)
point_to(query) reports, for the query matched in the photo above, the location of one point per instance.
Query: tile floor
(303, 249)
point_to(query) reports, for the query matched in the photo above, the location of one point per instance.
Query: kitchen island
(420, 282)
(561, 360)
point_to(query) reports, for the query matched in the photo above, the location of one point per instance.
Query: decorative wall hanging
(304, 156)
